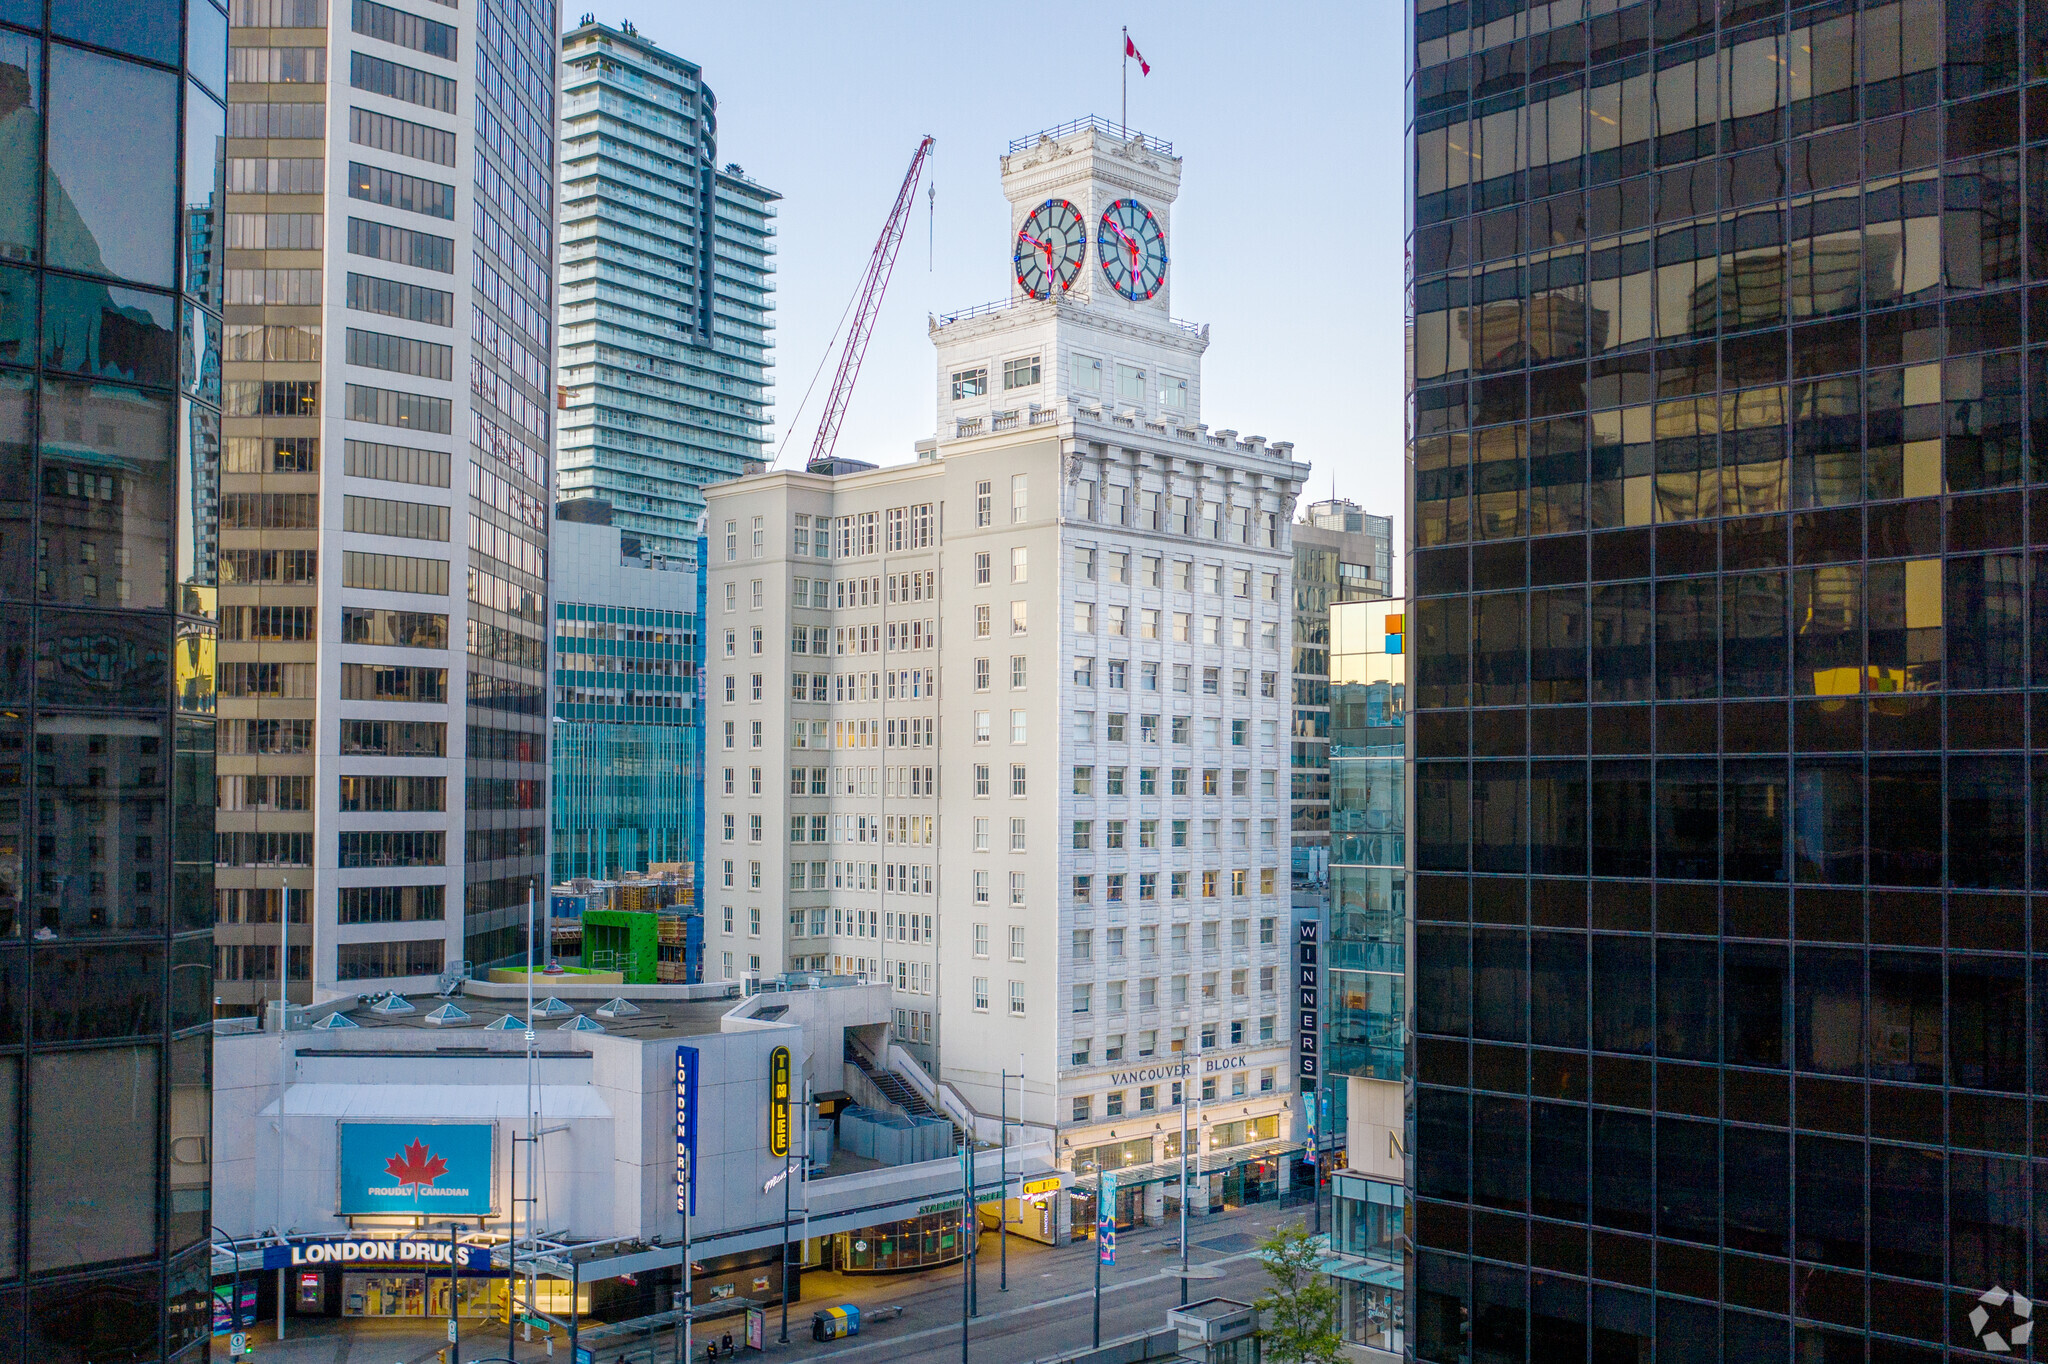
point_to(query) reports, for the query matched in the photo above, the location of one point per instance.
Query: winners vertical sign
(1308, 1002)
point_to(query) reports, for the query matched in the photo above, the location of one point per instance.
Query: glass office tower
(111, 135)
(1721, 586)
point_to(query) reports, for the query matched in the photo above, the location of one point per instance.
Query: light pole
(234, 1303)
(454, 1332)
(1003, 1213)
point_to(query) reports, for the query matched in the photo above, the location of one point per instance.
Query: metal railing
(1099, 124)
(978, 310)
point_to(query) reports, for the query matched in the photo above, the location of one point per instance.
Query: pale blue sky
(1287, 233)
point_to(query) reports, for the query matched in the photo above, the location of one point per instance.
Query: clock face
(1132, 249)
(1050, 247)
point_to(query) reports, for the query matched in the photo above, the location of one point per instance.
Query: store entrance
(418, 1295)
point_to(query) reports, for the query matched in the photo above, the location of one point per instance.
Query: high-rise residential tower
(112, 122)
(667, 290)
(1720, 616)
(1006, 725)
(389, 272)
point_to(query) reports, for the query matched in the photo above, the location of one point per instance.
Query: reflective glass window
(143, 28)
(111, 215)
(92, 1180)
(106, 496)
(21, 108)
(105, 331)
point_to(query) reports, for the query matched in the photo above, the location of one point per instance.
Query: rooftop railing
(1099, 124)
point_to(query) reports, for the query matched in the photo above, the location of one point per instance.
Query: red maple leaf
(415, 1164)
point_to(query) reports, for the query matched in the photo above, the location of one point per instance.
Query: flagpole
(1124, 127)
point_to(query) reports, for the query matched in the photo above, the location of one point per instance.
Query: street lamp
(235, 1302)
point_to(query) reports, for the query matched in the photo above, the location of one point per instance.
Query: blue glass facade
(1365, 956)
(667, 290)
(628, 733)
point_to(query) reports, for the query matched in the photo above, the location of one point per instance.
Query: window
(982, 628)
(1084, 726)
(1083, 999)
(757, 594)
(1084, 834)
(981, 834)
(1016, 942)
(732, 541)
(1087, 373)
(982, 733)
(981, 568)
(1016, 999)
(1018, 785)
(969, 383)
(981, 677)
(981, 779)
(1020, 373)
(760, 545)
(1016, 835)
(1020, 564)
(1017, 672)
(1130, 384)
(981, 893)
(1114, 1105)
(1020, 500)
(1084, 617)
(1017, 726)
(1017, 618)
(984, 503)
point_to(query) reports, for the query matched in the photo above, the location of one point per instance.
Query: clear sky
(1287, 233)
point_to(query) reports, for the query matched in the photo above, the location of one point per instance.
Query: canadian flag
(1131, 50)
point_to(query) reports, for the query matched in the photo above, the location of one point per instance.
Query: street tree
(1298, 1314)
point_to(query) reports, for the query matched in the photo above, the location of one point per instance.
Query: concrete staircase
(896, 1089)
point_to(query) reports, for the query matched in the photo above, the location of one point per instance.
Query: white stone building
(1007, 726)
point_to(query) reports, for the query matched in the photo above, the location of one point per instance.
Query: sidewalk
(1039, 1275)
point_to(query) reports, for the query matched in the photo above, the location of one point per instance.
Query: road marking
(1082, 1295)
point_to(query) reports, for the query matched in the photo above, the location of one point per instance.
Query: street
(1047, 1312)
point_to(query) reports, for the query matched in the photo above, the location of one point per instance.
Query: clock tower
(1090, 265)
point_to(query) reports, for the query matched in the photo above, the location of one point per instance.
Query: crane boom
(874, 283)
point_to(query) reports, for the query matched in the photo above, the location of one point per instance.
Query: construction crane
(868, 303)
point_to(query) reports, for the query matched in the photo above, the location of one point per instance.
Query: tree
(1298, 1314)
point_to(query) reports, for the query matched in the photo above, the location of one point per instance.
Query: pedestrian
(726, 1345)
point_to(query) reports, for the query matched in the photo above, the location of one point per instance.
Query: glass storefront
(419, 1295)
(914, 1243)
(1255, 1181)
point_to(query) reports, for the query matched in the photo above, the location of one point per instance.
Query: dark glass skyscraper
(1721, 594)
(111, 136)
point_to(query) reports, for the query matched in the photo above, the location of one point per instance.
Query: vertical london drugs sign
(686, 1130)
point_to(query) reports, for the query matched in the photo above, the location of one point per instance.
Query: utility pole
(454, 1331)
(1003, 1215)
(966, 1199)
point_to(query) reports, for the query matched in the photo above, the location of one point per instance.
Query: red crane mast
(874, 283)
